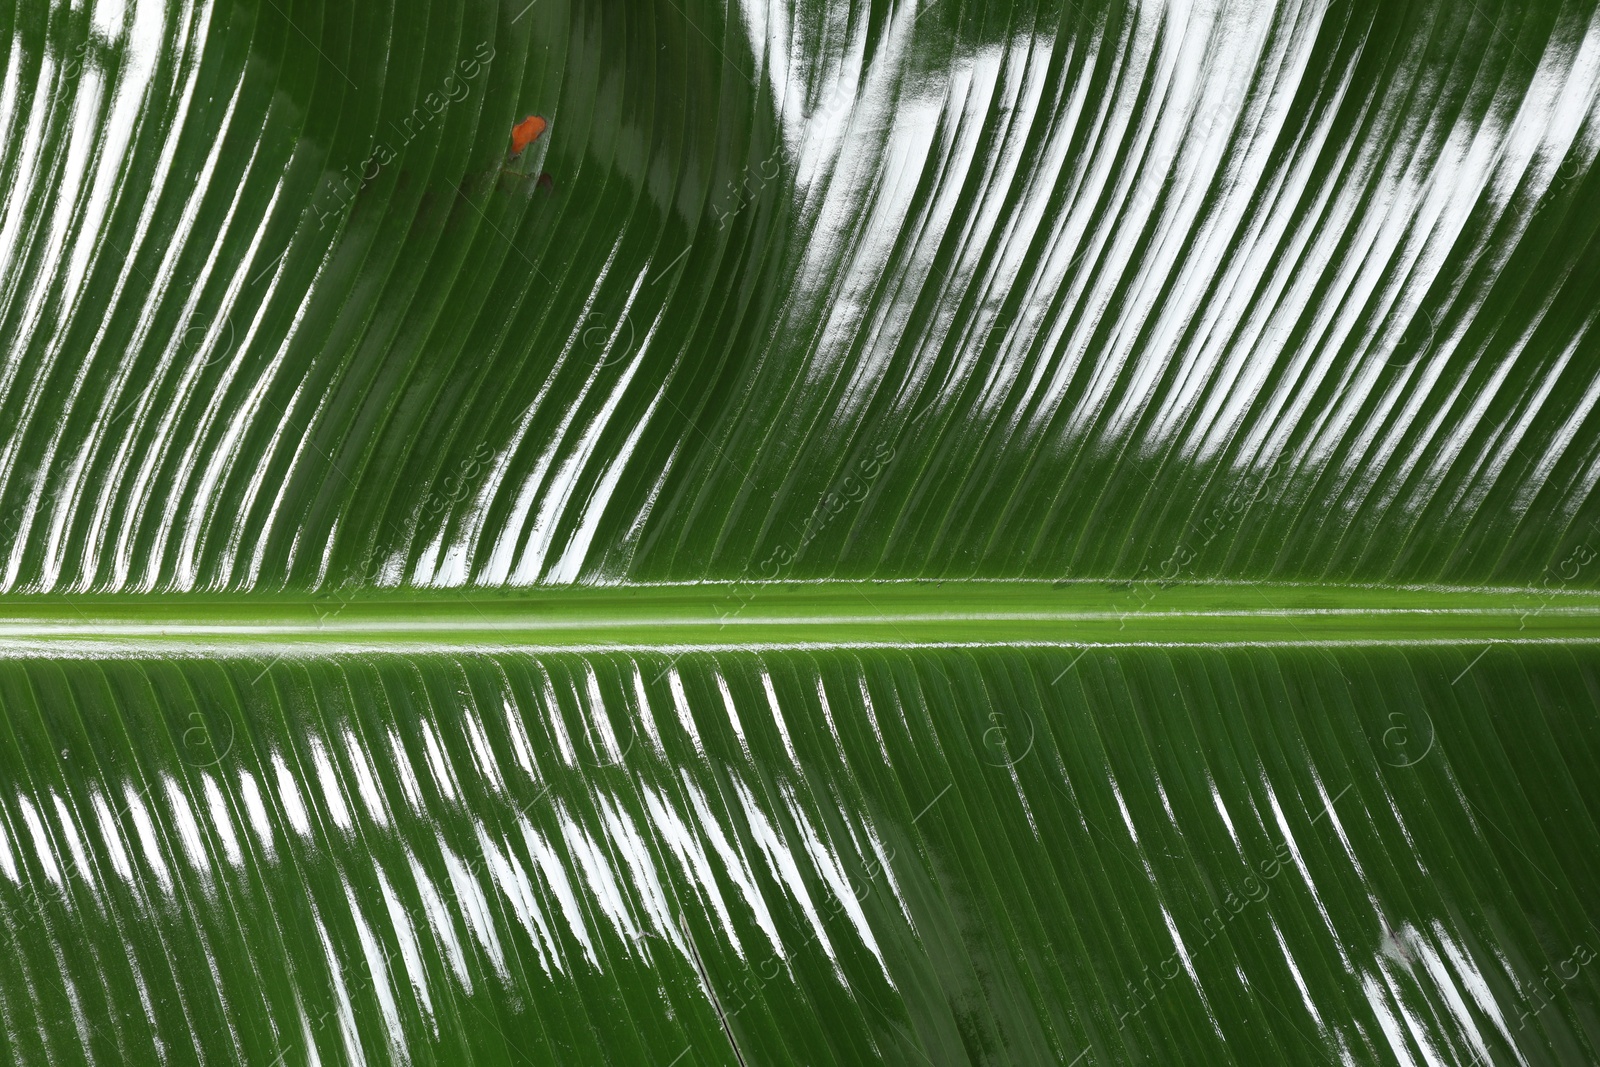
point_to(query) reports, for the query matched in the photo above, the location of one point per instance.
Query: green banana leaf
(902, 531)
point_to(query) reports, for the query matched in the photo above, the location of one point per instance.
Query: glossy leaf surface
(928, 532)
(1199, 855)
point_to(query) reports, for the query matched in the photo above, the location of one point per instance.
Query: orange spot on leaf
(526, 132)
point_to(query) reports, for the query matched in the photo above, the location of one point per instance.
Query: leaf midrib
(736, 615)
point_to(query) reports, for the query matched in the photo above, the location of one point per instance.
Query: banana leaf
(783, 531)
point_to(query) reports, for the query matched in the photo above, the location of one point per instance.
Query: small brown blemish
(526, 132)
